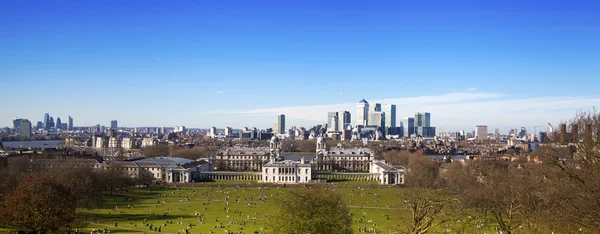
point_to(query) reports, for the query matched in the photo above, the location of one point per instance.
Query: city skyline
(206, 64)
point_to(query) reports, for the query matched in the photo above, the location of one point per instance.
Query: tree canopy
(311, 210)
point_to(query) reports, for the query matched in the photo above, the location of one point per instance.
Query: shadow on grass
(132, 217)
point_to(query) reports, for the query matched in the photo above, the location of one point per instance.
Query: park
(241, 208)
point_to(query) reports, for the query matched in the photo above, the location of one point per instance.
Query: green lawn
(230, 207)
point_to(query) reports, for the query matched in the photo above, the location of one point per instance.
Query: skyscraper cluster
(48, 123)
(376, 115)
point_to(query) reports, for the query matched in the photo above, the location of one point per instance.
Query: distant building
(389, 113)
(497, 133)
(40, 125)
(17, 124)
(481, 132)
(228, 131)
(425, 131)
(372, 109)
(377, 119)
(51, 122)
(332, 121)
(344, 120)
(422, 119)
(114, 124)
(408, 126)
(149, 141)
(280, 124)
(362, 113)
(70, 126)
(46, 121)
(25, 129)
(213, 132)
(58, 123)
(180, 129)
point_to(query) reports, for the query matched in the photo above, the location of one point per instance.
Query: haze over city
(203, 64)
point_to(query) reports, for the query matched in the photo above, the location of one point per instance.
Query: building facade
(362, 113)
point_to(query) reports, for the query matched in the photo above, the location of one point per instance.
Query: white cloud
(220, 92)
(471, 89)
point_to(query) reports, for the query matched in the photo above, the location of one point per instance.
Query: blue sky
(236, 63)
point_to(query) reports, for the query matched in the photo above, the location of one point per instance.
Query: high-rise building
(334, 124)
(58, 123)
(497, 133)
(362, 113)
(372, 109)
(377, 119)
(46, 121)
(481, 132)
(228, 131)
(389, 112)
(422, 119)
(25, 129)
(51, 122)
(213, 132)
(114, 124)
(70, 126)
(280, 124)
(39, 125)
(408, 126)
(17, 124)
(344, 120)
(333, 121)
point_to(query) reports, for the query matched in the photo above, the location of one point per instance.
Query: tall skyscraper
(51, 122)
(497, 133)
(228, 131)
(481, 132)
(70, 127)
(332, 121)
(389, 112)
(25, 129)
(362, 113)
(422, 119)
(213, 132)
(377, 119)
(17, 124)
(343, 120)
(114, 124)
(46, 121)
(280, 124)
(334, 127)
(58, 123)
(39, 125)
(408, 126)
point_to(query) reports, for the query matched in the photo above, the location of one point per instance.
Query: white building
(127, 143)
(362, 113)
(149, 141)
(228, 131)
(287, 171)
(113, 142)
(213, 132)
(388, 174)
(481, 132)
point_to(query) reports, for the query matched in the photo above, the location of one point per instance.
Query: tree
(311, 210)
(428, 209)
(155, 151)
(422, 172)
(38, 204)
(577, 185)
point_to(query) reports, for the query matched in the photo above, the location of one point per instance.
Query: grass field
(230, 209)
